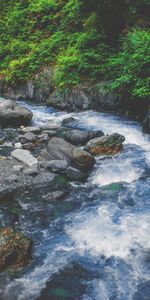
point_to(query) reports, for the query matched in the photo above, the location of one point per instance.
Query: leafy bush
(79, 39)
(131, 66)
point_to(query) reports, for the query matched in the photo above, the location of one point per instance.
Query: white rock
(18, 168)
(34, 129)
(18, 145)
(24, 156)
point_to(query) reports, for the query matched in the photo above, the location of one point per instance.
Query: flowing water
(94, 245)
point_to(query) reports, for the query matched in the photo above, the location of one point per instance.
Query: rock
(36, 89)
(78, 137)
(54, 196)
(24, 156)
(70, 99)
(75, 174)
(7, 145)
(49, 127)
(18, 145)
(85, 97)
(28, 137)
(13, 114)
(57, 165)
(15, 249)
(67, 121)
(12, 178)
(2, 157)
(43, 137)
(103, 98)
(58, 149)
(43, 179)
(50, 133)
(28, 146)
(34, 129)
(146, 124)
(18, 168)
(33, 170)
(109, 144)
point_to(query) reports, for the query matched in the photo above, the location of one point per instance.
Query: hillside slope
(83, 41)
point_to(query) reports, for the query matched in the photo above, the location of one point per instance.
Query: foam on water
(100, 235)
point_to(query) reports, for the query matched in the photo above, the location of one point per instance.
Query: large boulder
(59, 149)
(78, 137)
(15, 249)
(13, 114)
(146, 124)
(109, 144)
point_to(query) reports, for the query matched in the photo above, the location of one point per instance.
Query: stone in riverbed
(57, 165)
(109, 144)
(78, 137)
(28, 137)
(68, 120)
(54, 196)
(75, 174)
(24, 156)
(28, 146)
(32, 171)
(49, 127)
(13, 114)
(43, 138)
(34, 129)
(59, 149)
(15, 249)
(50, 133)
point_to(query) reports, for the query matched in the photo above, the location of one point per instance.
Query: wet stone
(15, 249)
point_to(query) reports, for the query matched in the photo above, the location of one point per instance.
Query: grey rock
(54, 196)
(70, 99)
(57, 165)
(59, 149)
(34, 129)
(78, 137)
(18, 145)
(28, 137)
(50, 133)
(49, 127)
(7, 145)
(44, 178)
(12, 178)
(13, 114)
(43, 137)
(17, 168)
(108, 144)
(28, 146)
(33, 170)
(67, 121)
(24, 156)
(75, 174)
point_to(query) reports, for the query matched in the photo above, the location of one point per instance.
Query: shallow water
(95, 245)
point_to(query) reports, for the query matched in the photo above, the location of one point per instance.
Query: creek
(95, 244)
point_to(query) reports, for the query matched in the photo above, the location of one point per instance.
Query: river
(94, 245)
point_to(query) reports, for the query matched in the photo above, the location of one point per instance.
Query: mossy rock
(15, 249)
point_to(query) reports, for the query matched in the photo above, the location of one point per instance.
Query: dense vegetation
(83, 40)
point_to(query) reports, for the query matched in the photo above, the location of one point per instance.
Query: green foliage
(79, 39)
(131, 66)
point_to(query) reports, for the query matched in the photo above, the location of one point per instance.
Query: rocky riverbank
(41, 89)
(47, 157)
